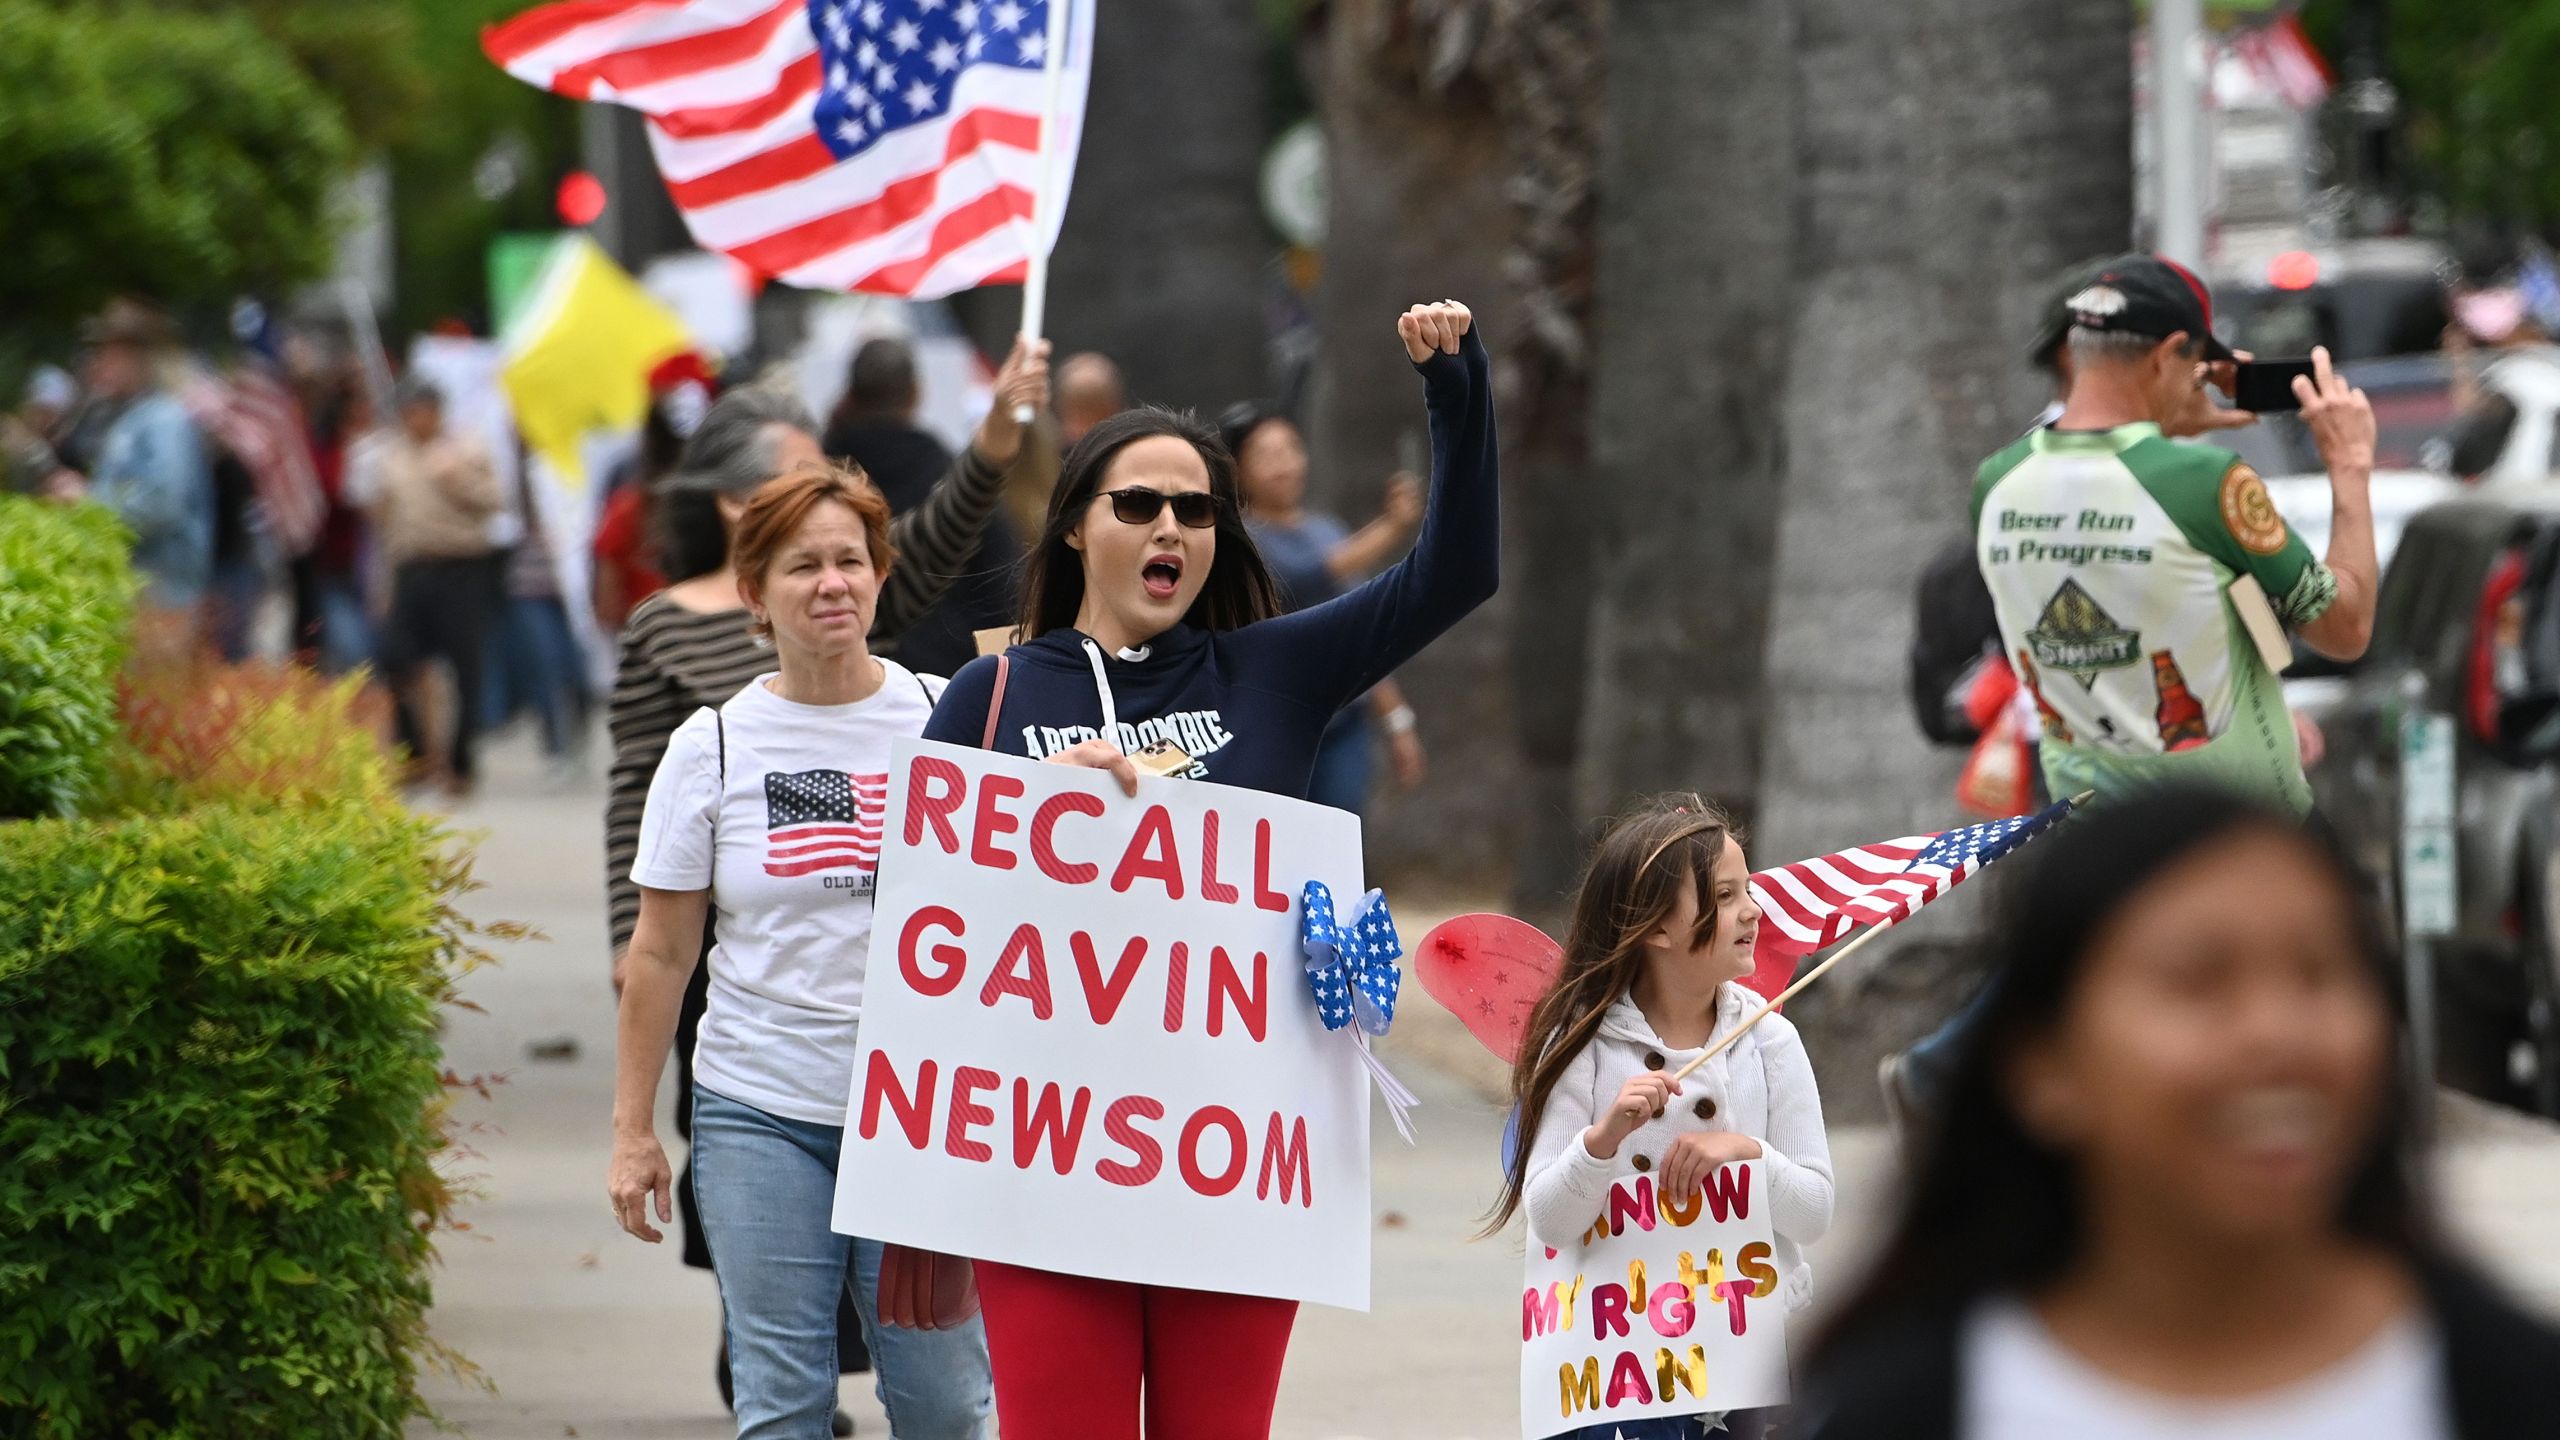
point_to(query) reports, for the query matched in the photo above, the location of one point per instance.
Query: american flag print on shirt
(823, 820)
(1815, 904)
(889, 146)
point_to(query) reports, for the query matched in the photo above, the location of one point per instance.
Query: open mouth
(1162, 576)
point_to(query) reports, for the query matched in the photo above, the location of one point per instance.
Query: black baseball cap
(2141, 294)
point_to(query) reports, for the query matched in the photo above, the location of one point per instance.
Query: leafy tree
(2479, 111)
(183, 156)
(443, 220)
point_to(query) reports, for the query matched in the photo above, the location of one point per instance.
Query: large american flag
(823, 820)
(250, 413)
(881, 145)
(1815, 904)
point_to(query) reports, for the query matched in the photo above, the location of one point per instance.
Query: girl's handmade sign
(1664, 1307)
(1088, 1040)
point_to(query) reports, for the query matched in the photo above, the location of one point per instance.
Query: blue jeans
(533, 660)
(1929, 1066)
(1341, 775)
(766, 1187)
(345, 638)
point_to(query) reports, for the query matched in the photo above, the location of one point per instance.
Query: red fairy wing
(1490, 971)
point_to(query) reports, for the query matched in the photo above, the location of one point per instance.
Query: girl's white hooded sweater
(1761, 1087)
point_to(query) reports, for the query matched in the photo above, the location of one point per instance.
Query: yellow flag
(579, 355)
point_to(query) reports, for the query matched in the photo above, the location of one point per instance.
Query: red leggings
(1073, 1354)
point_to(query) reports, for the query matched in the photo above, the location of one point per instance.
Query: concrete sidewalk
(583, 1331)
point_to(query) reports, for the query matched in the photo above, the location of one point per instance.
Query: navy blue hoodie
(1250, 704)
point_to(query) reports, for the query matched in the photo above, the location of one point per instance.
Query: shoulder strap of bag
(922, 688)
(720, 726)
(995, 702)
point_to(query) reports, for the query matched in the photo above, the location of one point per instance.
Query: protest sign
(1087, 1039)
(1665, 1307)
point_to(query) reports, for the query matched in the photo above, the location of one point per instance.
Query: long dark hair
(1991, 1210)
(1239, 589)
(1629, 890)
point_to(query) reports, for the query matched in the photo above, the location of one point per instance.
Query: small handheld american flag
(1814, 904)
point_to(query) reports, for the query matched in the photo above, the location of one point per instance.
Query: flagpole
(1765, 1011)
(1035, 280)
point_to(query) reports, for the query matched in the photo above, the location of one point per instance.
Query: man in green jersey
(2126, 567)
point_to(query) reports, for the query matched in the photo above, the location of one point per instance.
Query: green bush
(221, 1101)
(66, 606)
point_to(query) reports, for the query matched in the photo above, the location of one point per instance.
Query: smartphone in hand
(2265, 385)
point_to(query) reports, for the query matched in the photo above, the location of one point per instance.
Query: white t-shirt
(790, 874)
(2021, 1384)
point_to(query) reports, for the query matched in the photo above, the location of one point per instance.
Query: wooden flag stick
(1765, 1011)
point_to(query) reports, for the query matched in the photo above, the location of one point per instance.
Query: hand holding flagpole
(1044, 194)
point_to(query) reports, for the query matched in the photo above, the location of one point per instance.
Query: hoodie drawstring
(1102, 687)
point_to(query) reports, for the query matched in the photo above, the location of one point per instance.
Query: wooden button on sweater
(1643, 1162)
(1706, 1107)
(1653, 1059)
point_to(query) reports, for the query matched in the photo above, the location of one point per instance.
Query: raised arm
(1374, 544)
(1333, 651)
(937, 539)
(2341, 420)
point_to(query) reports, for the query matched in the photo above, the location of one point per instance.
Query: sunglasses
(1193, 510)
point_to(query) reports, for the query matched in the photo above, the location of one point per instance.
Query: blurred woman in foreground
(2172, 1196)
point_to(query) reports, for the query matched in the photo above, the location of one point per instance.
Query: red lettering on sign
(1734, 1292)
(966, 1082)
(1608, 1309)
(1201, 1180)
(1626, 1204)
(1671, 1313)
(1146, 1157)
(1102, 997)
(935, 788)
(1211, 887)
(1177, 979)
(1044, 848)
(1150, 856)
(993, 791)
(1263, 895)
(1031, 1121)
(1539, 1310)
(914, 1111)
(1289, 1158)
(1014, 978)
(1626, 1380)
(1252, 1006)
(1729, 1192)
(951, 958)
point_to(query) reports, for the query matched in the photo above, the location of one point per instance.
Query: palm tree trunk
(1418, 212)
(1696, 258)
(1162, 262)
(1954, 155)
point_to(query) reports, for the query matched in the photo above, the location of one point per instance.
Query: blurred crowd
(292, 500)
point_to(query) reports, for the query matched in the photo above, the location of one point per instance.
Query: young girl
(1663, 927)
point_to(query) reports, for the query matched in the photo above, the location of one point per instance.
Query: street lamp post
(2177, 119)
